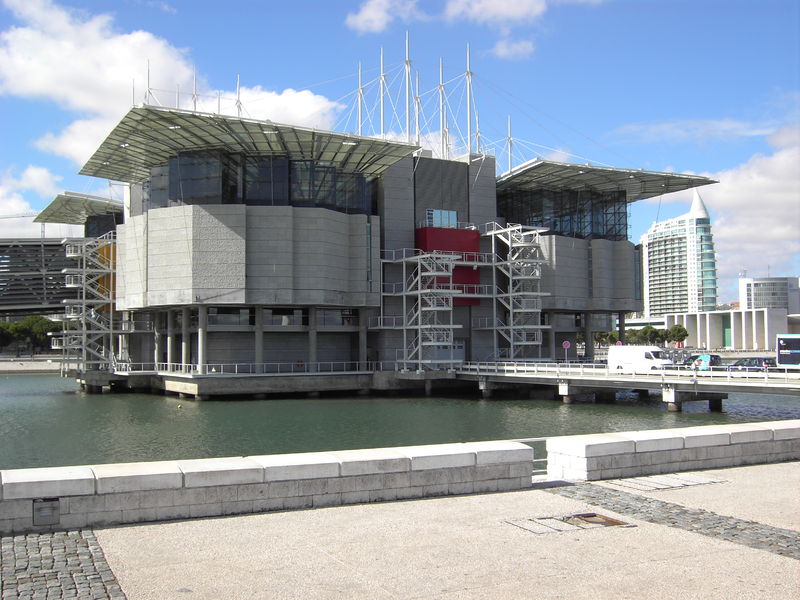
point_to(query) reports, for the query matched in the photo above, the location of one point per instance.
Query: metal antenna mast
(416, 112)
(509, 142)
(238, 98)
(408, 93)
(360, 97)
(442, 131)
(382, 91)
(194, 91)
(469, 105)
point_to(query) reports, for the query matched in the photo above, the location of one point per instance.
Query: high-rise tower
(679, 264)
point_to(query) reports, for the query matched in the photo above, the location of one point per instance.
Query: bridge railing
(267, 368)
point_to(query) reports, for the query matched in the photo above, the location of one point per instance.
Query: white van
(636, 359)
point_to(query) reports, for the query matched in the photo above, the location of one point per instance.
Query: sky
(708, 87)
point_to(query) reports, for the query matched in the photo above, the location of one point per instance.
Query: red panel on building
(453, 240)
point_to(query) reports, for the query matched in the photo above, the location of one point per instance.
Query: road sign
(565, 344)
(618, 343)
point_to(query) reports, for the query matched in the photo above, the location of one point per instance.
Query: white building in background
(770, 292)
(679, 273)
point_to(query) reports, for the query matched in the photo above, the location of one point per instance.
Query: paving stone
(739, 531)
(61, 564)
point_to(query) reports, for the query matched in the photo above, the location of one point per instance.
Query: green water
(46, 421)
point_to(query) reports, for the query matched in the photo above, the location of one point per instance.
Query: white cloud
(510, 49)
(12, 200)
(33, 178)
(495, 12)
(84, 65)
(374, 16)
(696, 130)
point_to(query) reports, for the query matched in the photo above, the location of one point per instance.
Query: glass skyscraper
(679, 264)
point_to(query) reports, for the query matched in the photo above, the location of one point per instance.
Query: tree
(649, 335)
(677, 333)
(601, 337)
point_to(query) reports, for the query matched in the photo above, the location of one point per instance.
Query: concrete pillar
(185, 318)
(312, 339)
(673, 398)
(551, 342)
(258, 339)
(588, 335)
(170, 339)
(715, 404)
(362, 338)
(428, 387)
(202, 329)
(158, 338)
(621, 326)
(605, 396)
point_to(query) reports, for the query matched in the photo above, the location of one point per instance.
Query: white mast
(416, 112)
(509, 142)
(382, 91)
(408, 93)
(177, 95)
(469, 106)
(194, 91)
(238, 98)
(360, 97)
(441, 108)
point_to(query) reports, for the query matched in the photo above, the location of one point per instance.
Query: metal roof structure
(638, 184)
(74, 208)
(147, 136)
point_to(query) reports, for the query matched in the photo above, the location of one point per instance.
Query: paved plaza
(727, 533)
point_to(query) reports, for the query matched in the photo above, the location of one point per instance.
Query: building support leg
(185, 318)
(312, 340)
(258, 340)
(428, 387)
(202, 328)
(673, 398)
(170, 339)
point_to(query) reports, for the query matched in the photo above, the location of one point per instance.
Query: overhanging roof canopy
(638, 184)
(74, 208)
(148, 136)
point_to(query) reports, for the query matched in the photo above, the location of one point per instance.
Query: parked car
(752, 363)
(703, 362)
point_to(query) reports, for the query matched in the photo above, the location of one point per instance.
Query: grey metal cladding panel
(441, 184)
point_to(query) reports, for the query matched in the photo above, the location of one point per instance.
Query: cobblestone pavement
(63, 564)
(739, 531)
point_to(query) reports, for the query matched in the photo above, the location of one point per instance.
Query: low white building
(743, 329)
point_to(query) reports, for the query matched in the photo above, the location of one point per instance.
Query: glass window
(435, 217)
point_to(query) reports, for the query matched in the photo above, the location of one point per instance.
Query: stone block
(15, 509)
(489, 472)
(156, 498)
(397, 480)
(298, 502)
(257, 491)
(106, 517)
(432, 477)
(508, 484)
(167, 513)
(520, 470)
(136, 477)
(482, 487)
(312, 487)
(439, 456)
(466, 487)
(227, 493)
(73, 521)
(415, 491)
(359, 497)
(322, 500)
(384, 495)
(462, 474)
(284, 489)
(220, 471)
(496, 452)
(707, 435)
(362, 483)
(268, 504)
(85, 504)
(47, 482)
(613, 461)
(785, 430)
(435, 490)
(599, 444)
(307, 465)
(189, 497)
(372, 461)
(205, 510)
(653, 440)
(6, 526)
(239, 507)
(743, 433)
(139, 515)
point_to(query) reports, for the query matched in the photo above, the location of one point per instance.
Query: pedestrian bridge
(677, 384)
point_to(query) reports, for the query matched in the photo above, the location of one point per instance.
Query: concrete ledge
(154, 491)
(605, 456)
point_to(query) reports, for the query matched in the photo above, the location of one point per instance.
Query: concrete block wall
(44, 499)
(636, 453)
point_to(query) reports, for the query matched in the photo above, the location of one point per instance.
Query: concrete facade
(753, 329)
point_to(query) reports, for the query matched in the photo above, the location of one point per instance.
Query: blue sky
(703, 86)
